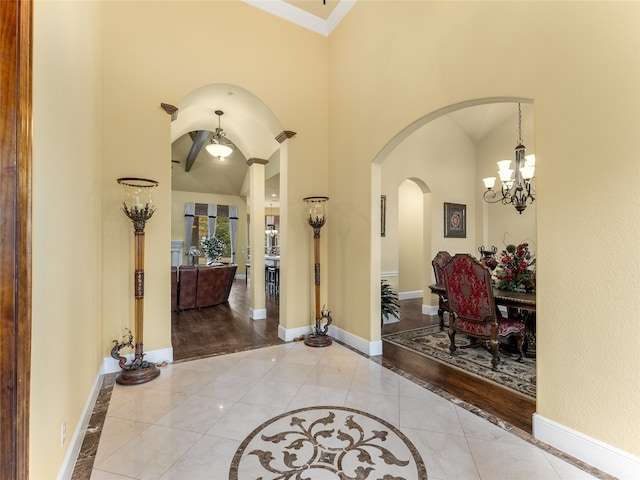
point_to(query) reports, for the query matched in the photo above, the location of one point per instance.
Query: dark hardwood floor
(227, 328)
(501, 402)
(224, 328)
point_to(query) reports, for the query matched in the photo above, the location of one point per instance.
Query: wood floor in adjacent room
(228, 328)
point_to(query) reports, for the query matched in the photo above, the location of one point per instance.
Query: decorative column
(316, 218)
(138, 206)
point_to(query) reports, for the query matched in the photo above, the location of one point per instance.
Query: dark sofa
(204, 285)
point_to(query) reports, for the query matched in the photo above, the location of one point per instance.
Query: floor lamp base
(317, 340)
(136, 376)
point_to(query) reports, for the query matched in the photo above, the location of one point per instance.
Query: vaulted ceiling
(251, 126)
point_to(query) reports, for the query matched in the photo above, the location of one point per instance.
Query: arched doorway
(453, 149)
(245, 185)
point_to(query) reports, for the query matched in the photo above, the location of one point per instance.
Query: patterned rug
(327, 443)
(433, 343)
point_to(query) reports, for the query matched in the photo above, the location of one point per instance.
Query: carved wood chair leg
(520, 342)
(494, 354)
(452, 338)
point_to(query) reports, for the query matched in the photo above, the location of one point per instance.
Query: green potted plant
(389, 302)
(213, 248)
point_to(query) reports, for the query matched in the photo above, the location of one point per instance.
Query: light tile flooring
(188, 423)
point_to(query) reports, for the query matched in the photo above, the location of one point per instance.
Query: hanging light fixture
(219, 146)
(516, 183)
(271, 224)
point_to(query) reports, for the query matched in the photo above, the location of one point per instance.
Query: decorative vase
(489, 257)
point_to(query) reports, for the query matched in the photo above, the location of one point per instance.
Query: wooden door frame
(16, 20)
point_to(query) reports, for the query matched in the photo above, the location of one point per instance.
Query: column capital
(259, 161)
(171, 110)
(285, 134)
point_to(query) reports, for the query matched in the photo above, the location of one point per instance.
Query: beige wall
(587, 111)
(413, 58)
(67, 341)
(152, 56)
(410, 220)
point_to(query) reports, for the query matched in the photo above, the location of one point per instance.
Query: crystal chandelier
(219, 146)
(516, 183)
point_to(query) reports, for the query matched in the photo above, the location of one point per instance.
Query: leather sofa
(204, 286)
(174, 288)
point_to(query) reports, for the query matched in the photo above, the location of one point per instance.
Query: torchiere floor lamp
(317, 217)
(138, 206)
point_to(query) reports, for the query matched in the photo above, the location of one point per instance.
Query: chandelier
(271, 224)
(219, 146)
(516, 183)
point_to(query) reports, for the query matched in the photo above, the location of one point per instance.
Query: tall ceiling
(250, 125)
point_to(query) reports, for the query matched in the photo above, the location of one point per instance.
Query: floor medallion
(319, 443)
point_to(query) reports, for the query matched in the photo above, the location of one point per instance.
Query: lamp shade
(138, 193)
(489, 182)
(219, 150)
(527, 172)
(316, 214)
(504, 165)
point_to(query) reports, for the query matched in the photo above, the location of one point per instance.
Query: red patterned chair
(472, 308)
(438, 263)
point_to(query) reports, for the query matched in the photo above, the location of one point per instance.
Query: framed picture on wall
(383, 215)
(455, 220)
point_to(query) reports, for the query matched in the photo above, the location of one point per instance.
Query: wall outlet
(63, 433)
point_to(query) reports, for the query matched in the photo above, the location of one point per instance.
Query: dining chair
(438, 263)
(472, 308)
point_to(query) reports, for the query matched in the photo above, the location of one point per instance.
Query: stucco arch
(376, 185)
(248, 121)
(252, 127)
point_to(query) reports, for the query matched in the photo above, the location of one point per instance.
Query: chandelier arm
(491, 196)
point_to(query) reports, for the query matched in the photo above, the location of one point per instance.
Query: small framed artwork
(455, 220)
(383, 215)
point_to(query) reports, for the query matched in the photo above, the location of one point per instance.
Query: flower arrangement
(516, 269)
(213, 248)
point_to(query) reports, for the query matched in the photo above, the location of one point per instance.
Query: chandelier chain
(519, 125)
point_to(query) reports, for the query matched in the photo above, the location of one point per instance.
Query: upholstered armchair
(472, 308)
(438, 263)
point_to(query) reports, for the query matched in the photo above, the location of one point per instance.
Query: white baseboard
(409, 295)
(429, 309)
(110, 365)
(360, 344)
(604, 457)
(258, 314)
(75, 443)
(288, 335)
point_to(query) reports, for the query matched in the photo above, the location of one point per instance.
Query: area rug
(433, 343)
(327, 443)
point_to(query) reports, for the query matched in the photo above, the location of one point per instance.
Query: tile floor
(188, 423)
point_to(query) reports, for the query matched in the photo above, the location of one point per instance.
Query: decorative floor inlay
(318, 443)
(433, 343)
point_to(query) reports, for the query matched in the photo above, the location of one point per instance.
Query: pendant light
(219, 146)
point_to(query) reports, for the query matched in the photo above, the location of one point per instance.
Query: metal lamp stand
(138, 206)
(318, 338)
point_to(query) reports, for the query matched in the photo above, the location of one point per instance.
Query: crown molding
(288, 12)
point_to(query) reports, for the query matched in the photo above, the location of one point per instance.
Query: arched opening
(215, 192)
(441, 158)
